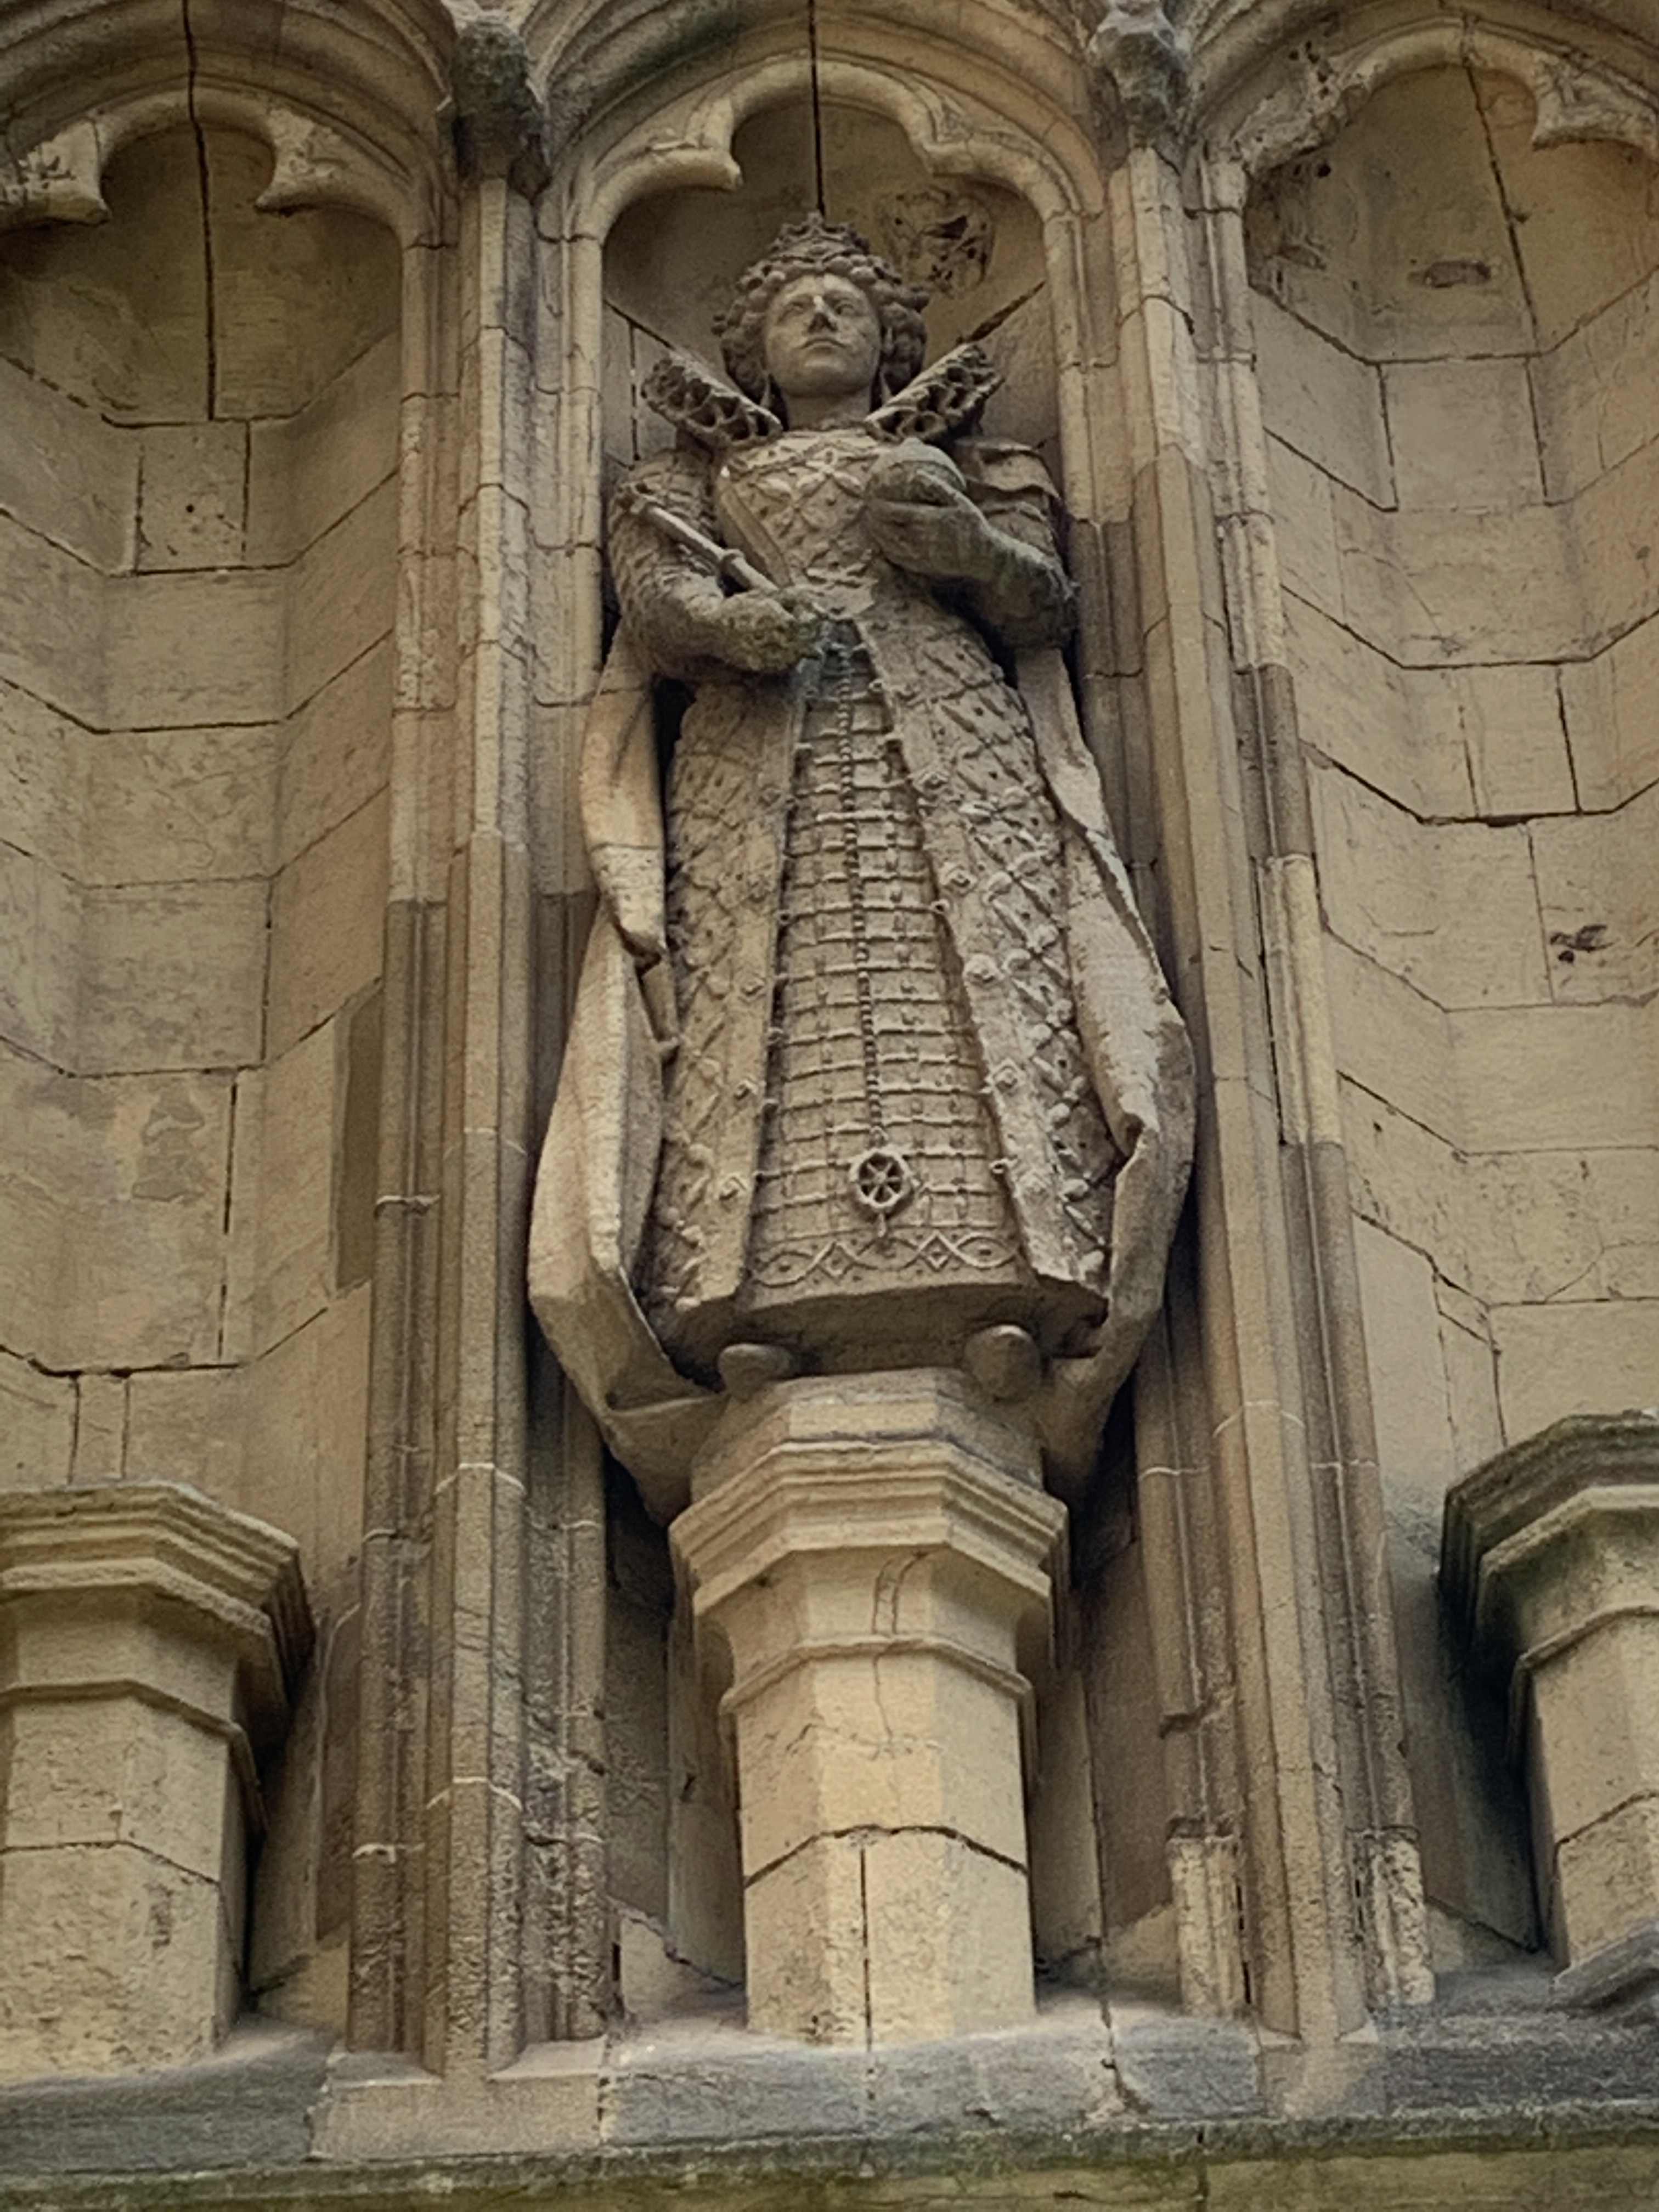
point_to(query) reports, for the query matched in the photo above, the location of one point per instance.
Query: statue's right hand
(767, 632)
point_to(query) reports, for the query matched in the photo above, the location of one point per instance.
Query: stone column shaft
(870, 1557)
(1551, 1557)
(148, 1639)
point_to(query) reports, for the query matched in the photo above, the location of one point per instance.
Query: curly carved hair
(812, 248)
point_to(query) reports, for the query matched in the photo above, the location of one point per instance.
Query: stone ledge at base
(711, 2082)
(1143, 2108)
(1556, 2157)
(248, 2104)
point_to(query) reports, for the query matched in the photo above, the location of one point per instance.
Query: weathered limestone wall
(200, 410)
(1455, 335)
(198, 532)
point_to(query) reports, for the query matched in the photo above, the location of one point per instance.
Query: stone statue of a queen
(872, 1064)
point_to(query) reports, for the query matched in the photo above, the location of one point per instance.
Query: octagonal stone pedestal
(872, 1556)
(1551, 1558)
(149, 1639)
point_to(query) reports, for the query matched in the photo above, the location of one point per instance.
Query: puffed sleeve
(1013, 490)
(666, 593)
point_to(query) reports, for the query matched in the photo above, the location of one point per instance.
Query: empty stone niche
(669, 263)
(197, 535)
(1456, 335)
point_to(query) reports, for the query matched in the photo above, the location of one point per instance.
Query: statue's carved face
(822, 338)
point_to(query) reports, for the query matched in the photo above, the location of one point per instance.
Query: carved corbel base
(148, 1639)
(1551, 1557)
(871, 1557)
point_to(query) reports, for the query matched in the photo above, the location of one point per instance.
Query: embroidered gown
(880, 1128)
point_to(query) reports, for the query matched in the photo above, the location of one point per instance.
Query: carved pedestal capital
(870, 1559)
(1551, 1557)
(1148, 61)
(148, 1642)
(497, 119)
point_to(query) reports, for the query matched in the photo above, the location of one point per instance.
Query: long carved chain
(881, 1177)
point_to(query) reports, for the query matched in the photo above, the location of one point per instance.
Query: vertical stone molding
(1551, 1557)
(150, 1640)
(875, 1557)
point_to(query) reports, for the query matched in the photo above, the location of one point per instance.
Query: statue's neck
(802, 411)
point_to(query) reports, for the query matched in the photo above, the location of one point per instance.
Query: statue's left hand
(940, 534)
(630, 882)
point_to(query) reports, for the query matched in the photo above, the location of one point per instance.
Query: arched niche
(1456, 308)
(198, 531)
(1003, 265)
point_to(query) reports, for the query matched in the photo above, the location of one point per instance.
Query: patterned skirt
(882, 1231)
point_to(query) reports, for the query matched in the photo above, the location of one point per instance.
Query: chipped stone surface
(1573, 266)
(172, 975)
(1323, 401)
(1462, 434)
(1595, 893)
(280, 1260)
(1402, 1328)
(1453, 909)
(1593, 1358)
(112, 1202)
(1511, 1227)
(1612, 706)
(67, 473)
(174, 806)
(37, 1423)
(341, 595)
(308, 469)
(326, 918)
(192, 495)
(132, 367)
(1594, 390)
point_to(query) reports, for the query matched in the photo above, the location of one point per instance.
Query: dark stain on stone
(170, 1169)
(1443, 276)
(1568, 944)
